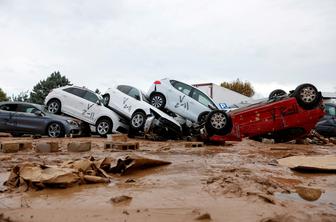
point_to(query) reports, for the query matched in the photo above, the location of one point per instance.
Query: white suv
(190, 103)
(84, 104)
(130, 103)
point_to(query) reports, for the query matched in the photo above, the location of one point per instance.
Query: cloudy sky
(272, 44)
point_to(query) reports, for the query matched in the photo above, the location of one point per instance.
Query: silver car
(20, 118)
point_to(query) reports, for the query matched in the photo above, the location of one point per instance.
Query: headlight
(72, 122)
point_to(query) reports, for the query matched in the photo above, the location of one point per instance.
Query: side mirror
(38, 113)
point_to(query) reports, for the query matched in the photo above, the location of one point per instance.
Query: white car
(131, 103)
(190, 103)
(84, 104)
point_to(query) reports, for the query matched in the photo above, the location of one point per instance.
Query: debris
(332, 140)
(125, 212)
(79, 146)
(205, 216)
(130, 181)
(193, 144)
(308, 193)
(9, 147)
(119, 137)
(119, 199)
(267, 141)
(121, 145)
(281, 148)
(47, 147)
(2, 158)
(25, 145)
(325, 163)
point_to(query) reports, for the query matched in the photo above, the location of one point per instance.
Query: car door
(120, 101)
(29, 122)
(179, 99)
(5, 116)
(74, 104)
(200, 103)
(92, 106)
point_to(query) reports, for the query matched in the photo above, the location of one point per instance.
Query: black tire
(138, 121)
(54, 106)
(202, 117)
(55, 130)
(106, 100)
(104, 126)
(158, 100)
(218, 122)
(307, 96)
(17, 134)
(276, 93)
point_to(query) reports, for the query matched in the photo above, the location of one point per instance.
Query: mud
(240, 181)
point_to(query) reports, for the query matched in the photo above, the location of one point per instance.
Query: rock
(9, 147)
(25, 145)
(205, 216)
(47, 147)
(308, 193)
(2, 158)
(120, 199)
(79, 146)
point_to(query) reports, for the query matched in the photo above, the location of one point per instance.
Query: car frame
(132, 104)
(86, 105)
(19, 118)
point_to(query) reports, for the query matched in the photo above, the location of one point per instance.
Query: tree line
(55, 80)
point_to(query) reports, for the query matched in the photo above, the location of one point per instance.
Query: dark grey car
(327, 125)
(20, 118)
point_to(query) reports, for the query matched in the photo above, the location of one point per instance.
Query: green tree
(21, 97)
(239, 86)
(3, 96)
(41, 89)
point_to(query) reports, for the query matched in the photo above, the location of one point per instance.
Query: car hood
(164, 115)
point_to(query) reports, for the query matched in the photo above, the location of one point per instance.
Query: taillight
(157, 82)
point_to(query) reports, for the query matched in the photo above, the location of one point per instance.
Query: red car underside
(282, 120)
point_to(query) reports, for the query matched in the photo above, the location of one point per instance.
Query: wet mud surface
(239, 181)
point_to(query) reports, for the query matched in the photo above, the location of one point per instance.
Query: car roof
(21, 103)
(78, 87)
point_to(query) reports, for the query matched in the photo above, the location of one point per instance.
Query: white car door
(200, 104)
(92, 107)
(73, 102)
(179, 99)
(121, 101)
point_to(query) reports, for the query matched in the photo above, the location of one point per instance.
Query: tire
(17, 134)
(307, 96)
(104, 126)
(202, 117)
(138, 121)
(218, 122)
(276, 93)
(55, 130)
(106, 100)
(54, 106)
(158, 100)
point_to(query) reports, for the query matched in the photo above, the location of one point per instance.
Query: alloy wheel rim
(218, 120)
(103, 128)
(53, 107)
(157, 101)
(137, 120)
(308, 94)
(54, 130)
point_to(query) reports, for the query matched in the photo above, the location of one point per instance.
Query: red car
(283, 117)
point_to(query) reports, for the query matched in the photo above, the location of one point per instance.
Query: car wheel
(202, 117)
(158, 100)
(104, 127)
(54, 106)
(55, 130)
(17, 134)
(218, 122)
(307, 96)
(276, 93)
(106, 100)
(138, 120)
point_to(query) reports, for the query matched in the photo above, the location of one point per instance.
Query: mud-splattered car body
(282, 118)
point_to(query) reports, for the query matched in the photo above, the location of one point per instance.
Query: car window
(202, 98)
(124, 89)
(91, 97)
(331, 110)
(182, 87)
(9, 107)
(75, 91)
(134, 93)
(26, 108)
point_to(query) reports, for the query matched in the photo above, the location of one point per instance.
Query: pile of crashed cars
(169, 110)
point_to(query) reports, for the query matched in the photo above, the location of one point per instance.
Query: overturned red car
(283, 117)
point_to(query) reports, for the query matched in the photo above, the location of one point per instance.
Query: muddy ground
(239, 181)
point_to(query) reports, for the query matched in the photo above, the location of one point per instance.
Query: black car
(327, 125)
(20, 118)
